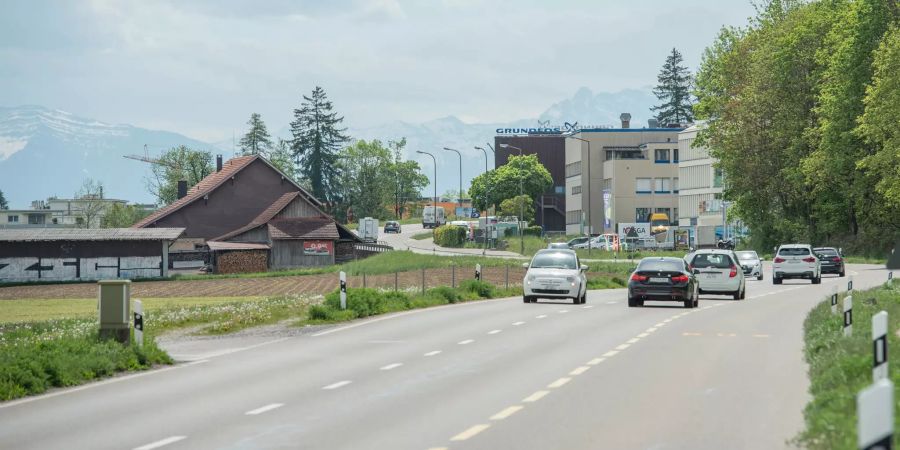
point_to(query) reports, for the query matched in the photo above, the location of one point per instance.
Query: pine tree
(280, 157)
(3, 203)
(674, 90)
(257, 140)
(317, 140)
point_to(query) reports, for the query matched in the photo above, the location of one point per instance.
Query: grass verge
(423, 235)
(840, 367)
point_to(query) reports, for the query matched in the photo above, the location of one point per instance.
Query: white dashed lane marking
(623, 347)
(540, 316)
(610, 353)
(588, 306)
(470, 432)
(579, 370)
(507, 412)
(432, 353)
(596, 361)
(465, 342)
(391, 366)
(161, 442)
(263, 409)
(337, 385)
(535, 397)
(633, 340)
(494, 331)
(518, 323)
(559, 382)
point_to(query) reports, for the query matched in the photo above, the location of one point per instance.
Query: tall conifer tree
(317, 138)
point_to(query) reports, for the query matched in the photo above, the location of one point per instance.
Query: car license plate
(658, 280)
(710, 275)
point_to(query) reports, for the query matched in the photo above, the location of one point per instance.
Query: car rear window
(827, 251)
(714, 260)
(655, 265)
(552, 260)
(747, 255)
(794, 251)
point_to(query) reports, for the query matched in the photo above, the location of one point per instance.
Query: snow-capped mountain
(46, 152)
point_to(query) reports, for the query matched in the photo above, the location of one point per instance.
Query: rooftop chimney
(218, 163)
(654, 123)
(182, 189)
(626, 120)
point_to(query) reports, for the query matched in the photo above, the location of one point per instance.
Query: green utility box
(114, 304)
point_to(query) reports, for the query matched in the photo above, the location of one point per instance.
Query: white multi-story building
(84, 212)
(700, 190)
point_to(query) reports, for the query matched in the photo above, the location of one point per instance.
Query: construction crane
(147, 159)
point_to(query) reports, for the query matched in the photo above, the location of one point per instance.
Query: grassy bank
(423, 235)
(840, 367)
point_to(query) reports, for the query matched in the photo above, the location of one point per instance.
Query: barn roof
(304, 228)
(89, 234)
(219, 246)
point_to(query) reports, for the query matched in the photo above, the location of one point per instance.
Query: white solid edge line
(339, 384)
(472, 431)
(391, 366)
(263, 409)
(161, 442)
(406, 313)
(98, 384)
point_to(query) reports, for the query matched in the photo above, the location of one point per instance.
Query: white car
(751, 263)
(555, 273)
(718, 272)
(796, 261)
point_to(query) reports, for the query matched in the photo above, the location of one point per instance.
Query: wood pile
(242, 261)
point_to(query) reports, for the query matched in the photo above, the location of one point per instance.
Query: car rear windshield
(714, 260)
(655, 265)
(794, 251)
(827, 251)
(553, 261)
(747, 255)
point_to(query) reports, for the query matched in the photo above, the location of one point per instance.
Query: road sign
(879, 346)
(476, 214)
(139, 323)
(875, 416)
(343, 290)
(848, 315)
(834, 297)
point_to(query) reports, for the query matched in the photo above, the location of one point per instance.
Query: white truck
(433, 217)
(368, 229)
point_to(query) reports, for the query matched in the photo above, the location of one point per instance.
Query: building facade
(81, 212)
(619, 175)
(550, 207)
(700, 194)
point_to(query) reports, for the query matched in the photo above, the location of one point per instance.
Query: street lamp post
(590, 218)
(521, 205)
(434, 199)
(484, 238)
(460, 174)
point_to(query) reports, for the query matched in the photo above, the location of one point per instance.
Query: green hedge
(450, 236)
(533, 231)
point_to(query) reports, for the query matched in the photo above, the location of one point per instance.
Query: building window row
(573, 217)
(643, 214)
(662, 185)
(573, 169)
(576, 190)
(12, 219)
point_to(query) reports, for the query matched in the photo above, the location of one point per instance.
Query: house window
(573, 169)
(666, 211)
(675, 185)
(35, 219)
(675, 155)
(642, 186)
(576, 190)
(663, 186)
(609, 155)
(573, 217)
(675, 215)
(642, 215)
(12, 219)
(662, 155)
(717, 180)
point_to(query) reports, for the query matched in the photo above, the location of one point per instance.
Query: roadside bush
(479, 288)
(446, 292)
(329, 314)
(533, 231)
(450, 236)
(364, 301)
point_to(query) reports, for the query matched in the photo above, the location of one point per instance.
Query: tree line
(801, 108)
(354, 178)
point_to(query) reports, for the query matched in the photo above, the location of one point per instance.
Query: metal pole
(460, 174)
(453, 275)
(434, 200)
(423, 281)
(484, 231)
(507, 275)
(395, 282)
(364, 279)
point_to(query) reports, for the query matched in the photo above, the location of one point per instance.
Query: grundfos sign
(542, 130)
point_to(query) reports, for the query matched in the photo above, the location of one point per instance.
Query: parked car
(831, 260)
(392, 226)
(577, 241)
(555, 274)
(558, 245)
(796, 261)
(751, 263)
(717, 273)
(665, 279)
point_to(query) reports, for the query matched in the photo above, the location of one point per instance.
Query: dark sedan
(830, 260)
(392, 226)
(665, 279)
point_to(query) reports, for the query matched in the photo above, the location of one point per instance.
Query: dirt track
(241, 287)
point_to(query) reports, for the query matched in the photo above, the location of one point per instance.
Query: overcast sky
(200, 67)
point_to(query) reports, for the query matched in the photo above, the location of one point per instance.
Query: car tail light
(638, 277)
(837, 259)
(680, 279)
(778, 260)
(733, 272)
(809, 259)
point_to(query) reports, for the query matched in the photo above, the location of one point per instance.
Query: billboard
(607, 209)
(635, 229)
(318, 248)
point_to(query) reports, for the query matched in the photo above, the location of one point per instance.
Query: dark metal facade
(551, 152)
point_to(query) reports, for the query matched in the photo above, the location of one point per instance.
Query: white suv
(796, 261)
(718, 272)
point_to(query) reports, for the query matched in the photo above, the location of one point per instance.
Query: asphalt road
(497, 374)
(404, 241)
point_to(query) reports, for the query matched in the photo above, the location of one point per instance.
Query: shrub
(479, 288)
(364, 301)
(450, 236)
(533, 231)
(445, 292)
(327, 313)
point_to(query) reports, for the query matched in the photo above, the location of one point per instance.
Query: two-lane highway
(494, 374)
